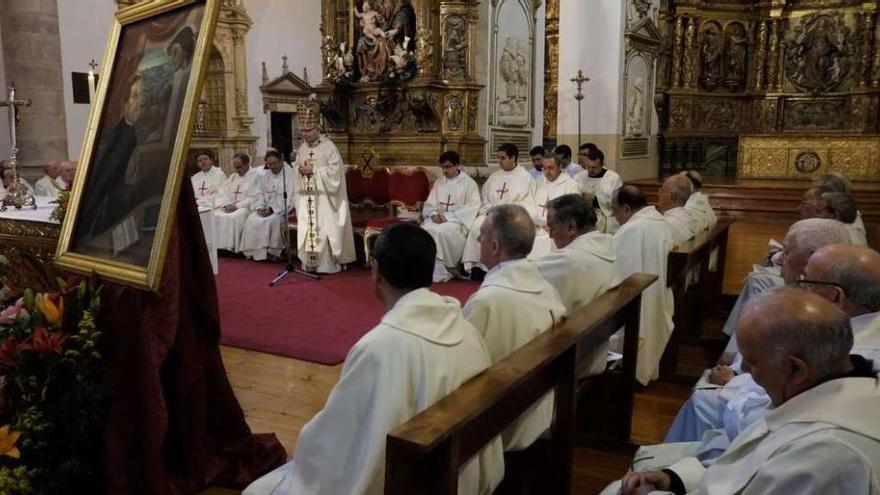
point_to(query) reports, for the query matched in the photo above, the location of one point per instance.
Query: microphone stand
(285, 230)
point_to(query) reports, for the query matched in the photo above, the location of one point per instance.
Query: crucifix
(448, 202)
(16, 196)
(501, 191)
(580, 79)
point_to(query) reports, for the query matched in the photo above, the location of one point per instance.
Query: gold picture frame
(124, 197)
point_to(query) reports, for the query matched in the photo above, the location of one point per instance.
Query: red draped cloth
(171, 414)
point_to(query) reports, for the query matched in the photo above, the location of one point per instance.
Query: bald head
(791, 340)
(67, 171)
(52, 168)
(674, 192)
(850, 276)
(508, 233)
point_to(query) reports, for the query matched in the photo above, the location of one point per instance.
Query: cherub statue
(369, 20)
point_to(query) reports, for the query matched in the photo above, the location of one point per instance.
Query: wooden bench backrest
(424, 454)
(690, 252)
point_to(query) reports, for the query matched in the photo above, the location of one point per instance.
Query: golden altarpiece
(770, 88)
(398, 80)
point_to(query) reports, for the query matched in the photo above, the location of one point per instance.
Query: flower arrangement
(50, 392)
(62, 201)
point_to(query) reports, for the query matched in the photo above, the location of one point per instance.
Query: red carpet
(302, 318)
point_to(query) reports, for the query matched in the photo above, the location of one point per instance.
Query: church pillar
(761, 64)
(773, 56)
(677, 42)
(32, 59)
(242, 115)
(691, 54)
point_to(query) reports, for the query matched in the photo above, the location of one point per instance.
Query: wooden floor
(280, 395)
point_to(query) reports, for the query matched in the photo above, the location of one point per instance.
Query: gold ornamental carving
(551, 69)
(764, 157)
(30, 247)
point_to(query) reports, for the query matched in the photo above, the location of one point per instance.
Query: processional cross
(501, 191)
(16, 196)
(580, 79)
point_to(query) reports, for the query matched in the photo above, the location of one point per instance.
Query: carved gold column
(690, 54)
(866, 28)
(242, 115)
(677, 40)
(551, 69)
(761, 63)
(773, 56)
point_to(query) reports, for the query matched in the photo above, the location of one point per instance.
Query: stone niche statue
(385, 40)
(635, 114)
(710, 58)
(817, 60)
(455, 47)
(736, 42)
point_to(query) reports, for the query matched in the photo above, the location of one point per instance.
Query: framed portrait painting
(124, 197)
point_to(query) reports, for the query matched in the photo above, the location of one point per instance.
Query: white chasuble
(206, 184)
(682, 224)
(602, 188)
(513, 305)
(643, 244)
(582, 271)
(422, 350)
(324, 237)
(458, 201)
(502, 187)
(263, 235)
(238, 191)
(48, 187)
(544, 192)
(704, 215)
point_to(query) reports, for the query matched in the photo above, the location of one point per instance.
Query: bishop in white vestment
(449, 213)
(513, 305)
(582, 267)
(207, 180)
(263, 234)
(232, 205)
(324, 236)
(510, 185)
(554, 184)
(642, 245)
(421, 350)
(599, 181)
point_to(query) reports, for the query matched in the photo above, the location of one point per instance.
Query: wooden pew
(424, 455)
(694, 303)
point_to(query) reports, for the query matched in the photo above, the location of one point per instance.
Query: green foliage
(51, 393)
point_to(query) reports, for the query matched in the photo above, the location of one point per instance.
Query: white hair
(810, 234)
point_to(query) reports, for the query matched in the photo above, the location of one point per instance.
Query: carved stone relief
(818, 57)
(511, 63)
(812, 115)
(717, 114)
(397, 112)
(680, 113)
(455, 47)
(454, 112)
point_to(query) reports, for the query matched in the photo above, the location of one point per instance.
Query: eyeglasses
(803, 282)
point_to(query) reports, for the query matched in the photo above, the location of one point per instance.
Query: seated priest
(582, 267)
(324, 235)
(263, 236)
(7, 179)
(837, 182)
(698, 203)
(512, 184)
(513, 305)
(232, 204)
(845, 274)
(536, 155)
(449, 213)
(599, 181)
(421, 350)
(50, 184)
(642, 245)
(68, 171)
(820, 433)
(208, 179)
(842, 208)
(802, 239)
(671, 201)
(563, 151)
(554, 184)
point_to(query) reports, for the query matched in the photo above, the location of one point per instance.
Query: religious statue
(818, 60)
(329, 55)
(635, 115)
(736, 57)
(710, 58)
(455, 48)
(514, 71)
(385, 52)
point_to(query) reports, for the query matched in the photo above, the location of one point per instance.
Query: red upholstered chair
(407, 188)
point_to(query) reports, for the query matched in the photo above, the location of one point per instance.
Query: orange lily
(8, 439)
(50, 310)
(43, 342)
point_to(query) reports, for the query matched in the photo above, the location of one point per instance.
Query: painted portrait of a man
(139, 128)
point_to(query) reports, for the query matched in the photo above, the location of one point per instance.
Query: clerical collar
(599, 175)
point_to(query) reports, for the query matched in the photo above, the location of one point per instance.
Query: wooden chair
(424, 455)
(693, 303)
